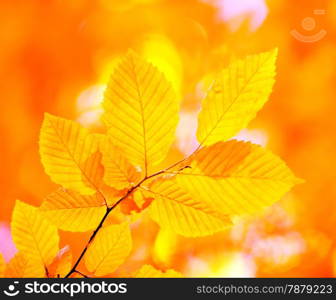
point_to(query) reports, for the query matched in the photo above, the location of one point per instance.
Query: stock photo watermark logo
(309, 25)
(12, 290)
(64, 288)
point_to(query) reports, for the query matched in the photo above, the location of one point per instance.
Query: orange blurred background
(56, 56)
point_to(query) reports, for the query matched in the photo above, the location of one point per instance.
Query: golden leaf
(141, 111)
(235, 97)
(142, 198)
(119, 173)
(71, 211)
(20, 267)
(61, 264)
(174, 208)
(237, 177)
(148, 271)
(109, 249)
(34, 236)
(136, 202)
(69, 154)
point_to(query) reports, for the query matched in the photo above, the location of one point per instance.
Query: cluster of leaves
(101, 173)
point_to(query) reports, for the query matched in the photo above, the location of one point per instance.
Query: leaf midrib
(234, 100)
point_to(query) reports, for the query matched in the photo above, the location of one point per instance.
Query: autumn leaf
(109, 249)
(235, 97)
(136, 202)
(175, 209)
(69, 154)
(71, 211)
(142, 198)
(17, 266)
(141, 111)
(118, 173)
(20, 267)
(196, 196)
(64, 264)
(61, 264)
(34, 236)
(237, 177)
(148, 271)
(129, 207)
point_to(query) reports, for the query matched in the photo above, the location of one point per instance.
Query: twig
(80, 273)
(100, 225)
(109, 209)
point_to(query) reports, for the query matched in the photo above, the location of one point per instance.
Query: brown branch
(73, 270)
(80, 273)
(109, 209)
(46, 271)
(100, 225)
(182, 160)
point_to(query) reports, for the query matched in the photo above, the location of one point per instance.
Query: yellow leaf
(109, 249)
(111, 194)
(69, 154)
(2, 265)
(20, 267)
(139, 198)
(235, 97)
(119, 173)
(173, 208)
(71, 211)
(62, 263)
(148, 271)
(34, 236)
(237, 177)
(141, 111)
(142, 198)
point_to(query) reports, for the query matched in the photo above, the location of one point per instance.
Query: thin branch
(182, 160)
(109, 209)
(80, 273)
(100, 225)
(88, 243)
(46, 271)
